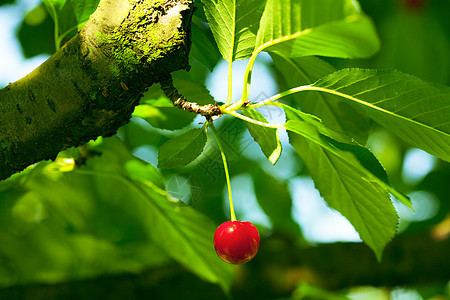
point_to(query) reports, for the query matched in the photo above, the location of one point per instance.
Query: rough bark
(90, 87)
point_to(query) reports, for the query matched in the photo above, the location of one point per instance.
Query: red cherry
(236, 242)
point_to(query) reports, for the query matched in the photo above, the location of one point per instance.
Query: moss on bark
(89, 88)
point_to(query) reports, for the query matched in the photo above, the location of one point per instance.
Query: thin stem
(230, 84)
(209, 110)
(247, 82)
(281, 95)
(249, 68)
(225, 166)
(56, 27)
(230, 62)
(250, 120)
(62, 36)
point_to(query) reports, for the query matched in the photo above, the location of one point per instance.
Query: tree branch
(89, 88)
(209, 111)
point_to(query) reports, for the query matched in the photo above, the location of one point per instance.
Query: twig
(209, 110)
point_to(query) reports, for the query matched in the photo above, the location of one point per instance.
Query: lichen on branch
(89, 88)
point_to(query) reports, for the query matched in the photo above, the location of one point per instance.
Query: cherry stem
(225, 166)
(230, 83)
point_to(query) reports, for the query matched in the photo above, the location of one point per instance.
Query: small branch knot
(209, 110)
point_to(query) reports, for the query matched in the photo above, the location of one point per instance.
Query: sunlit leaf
(116, 206)
(203, 47)
(183, 233)
(186, 235)
(332, 110)
(234, 24)
(160, 112)
(339, 141)
(415, 110)
(70, 14)
(345, 185)
(335, 28)
(267, 138)
(182, 149)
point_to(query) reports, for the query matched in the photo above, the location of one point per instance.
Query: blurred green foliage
(60, 221)
(415, 38)
(36, 34)
(5, 2)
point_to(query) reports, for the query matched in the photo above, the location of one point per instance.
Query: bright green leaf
(35, 33)
(371, 166)
(335, 28)
(267, 138)
(159, 111)
(346, 186)
(185, 235)
(234, 24)
(335, 113)
(115, 205)
(193, 91)
(138, 170)
(70, 14)
(182, 232)
(203, 47)
(415, 110)
(71, 224)
(182, 149)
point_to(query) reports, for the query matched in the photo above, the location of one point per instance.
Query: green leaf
(274, 198)
(35, 33)
(185, 234)
(70, 14)
(234, 24)
(138, 170)
(182, 150)
(68, 223)
(415, 110)
(267, 138)
(193, 91)
(335, 28)
(338, 140)
(346, 185)
(335, 112)
(203, 47)
(159, 111)
(427, 56)
(182, 232)
(115, 205)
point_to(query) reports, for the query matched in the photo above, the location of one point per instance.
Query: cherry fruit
(236, 242)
